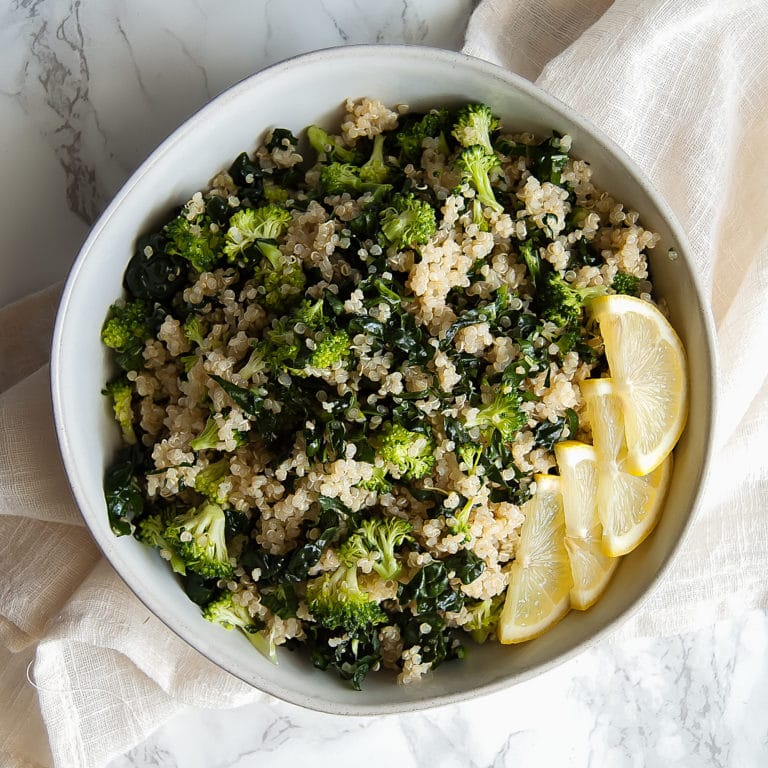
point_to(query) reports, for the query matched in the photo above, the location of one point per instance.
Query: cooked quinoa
(368, 340)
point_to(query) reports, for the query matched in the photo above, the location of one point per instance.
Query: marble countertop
(87, 89)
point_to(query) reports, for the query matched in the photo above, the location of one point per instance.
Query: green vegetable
(383, 536)
(561, 303)
(225, 611)
(408, 454)
(193, 330)
(625, 283)
(198, 535)
(408, 221)
(150, 531)
(152, 274)
(476, 164)
(333, 349)
(352, 654)
(330, 148)
(122, 491)
(249, 225)
(281, 278)
(437, 642)
(126, 329)
(120, 392)
(375, 170)
(336, 600)
(484, 616)
(415, 128)
(281, 138)
(337, 178)
(503, 414)
(209, 479)
(198, 240)
(430, 590)
(474, 125)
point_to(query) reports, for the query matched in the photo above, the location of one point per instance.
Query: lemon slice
(540, 577)
(648, 366)
(628, 506)
(591, 568)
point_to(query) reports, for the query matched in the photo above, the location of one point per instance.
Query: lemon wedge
(540, 577)
(628, 506)
(591, 568)
(648, 367)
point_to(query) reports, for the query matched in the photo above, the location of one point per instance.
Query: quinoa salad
(341, 365)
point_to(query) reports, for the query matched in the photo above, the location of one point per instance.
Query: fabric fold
(107, 659)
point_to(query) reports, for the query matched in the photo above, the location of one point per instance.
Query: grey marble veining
(88, 89)
(695, 700)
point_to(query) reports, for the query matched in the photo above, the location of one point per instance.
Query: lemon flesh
(628, 506)
(649, 371)
(591, 568)
(540, 580)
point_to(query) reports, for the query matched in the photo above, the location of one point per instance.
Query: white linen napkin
(107, 671)
(682, 85)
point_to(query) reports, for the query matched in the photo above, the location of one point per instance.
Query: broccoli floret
(460, 519)
(477, 216)
(251, 224)
(208, 481)
(199, 536)
(311, 314)
(408, 454)
(338, 178)
(476, 163)
(378, 481)
(560, 303)
(383, 536)
(150, 531)
(120, 392)
(330, 148)
(274, 193)
(255, 363)
(503, 415)
(375, 169)
(484, 616)
(125, 330)
(208, 439)
(198, 240)
(230, 614)
(193, 330)
(271, 353)
(126, 323)
(470, 454)
(474, 125)
(625, 283)
(333, 349)
(336, 599)
(281, 278)
(410, 137)
(408, 221)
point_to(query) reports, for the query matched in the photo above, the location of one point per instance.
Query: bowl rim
(509, 79)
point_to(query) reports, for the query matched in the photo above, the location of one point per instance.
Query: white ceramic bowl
(293, 94)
